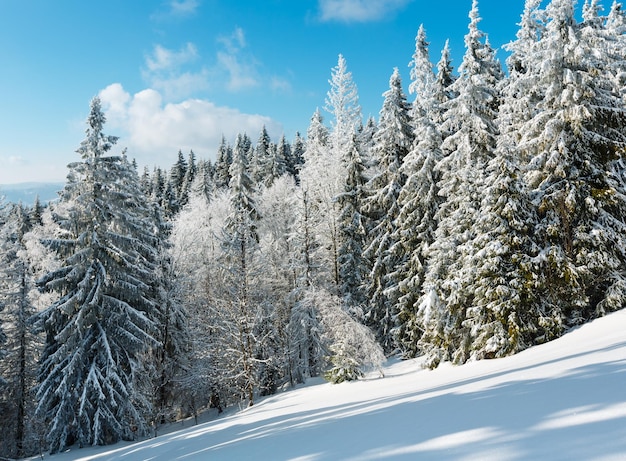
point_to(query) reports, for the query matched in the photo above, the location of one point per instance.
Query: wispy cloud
(184, 7)
(239, 65)
(171, 72)
(359, 10)
(175, 10)
(154, 130)
(164, 59)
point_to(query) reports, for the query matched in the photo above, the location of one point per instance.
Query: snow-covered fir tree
(391, 143)
(240, 309)
(352, 229)
(575, 140)
(19, 353)
(102, 319)
(222, 164)
(471, 120)
(418, 200)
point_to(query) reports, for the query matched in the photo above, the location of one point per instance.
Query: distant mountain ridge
(28, 191)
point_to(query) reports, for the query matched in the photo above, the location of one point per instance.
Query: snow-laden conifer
(391, 143)
(19, 346)
(102, 319)
(419, 200)
(575, 140)
(471, 120)
(352, 232)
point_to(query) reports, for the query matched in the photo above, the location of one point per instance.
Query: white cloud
(163, 59)
(241, 75)
(240, 67)
(165, 70)
(358, 10)
(233, 42)
(184, 7)
(154, 131)
(280, 85)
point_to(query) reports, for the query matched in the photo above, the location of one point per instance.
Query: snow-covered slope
(565, 400)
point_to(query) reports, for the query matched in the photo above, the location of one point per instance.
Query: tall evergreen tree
(21, 349)
(352, 233)
(471, 120)
(391, 144)
(575, 140)
(222, 164)
(297, 157)
(418, 200)
(342, 101)
(102, 319)
(239, 308)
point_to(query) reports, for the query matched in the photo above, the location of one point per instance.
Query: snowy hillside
(564, 400)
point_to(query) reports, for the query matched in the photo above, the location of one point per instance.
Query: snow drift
(561, 400)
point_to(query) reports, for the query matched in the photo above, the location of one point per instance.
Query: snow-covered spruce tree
(520, 92)
(294, 165)
(616, 30)
(418, 199)
(391, 143)
(239, 310)
(260, 162)
(168, 361)
(102, 320)
(20, 351)
(352, 230)
(501, 319)
(351, 346)
(444, 90)
(576, 138)
(203, 182)
(178, 174)
(222, 164)
(471, 118)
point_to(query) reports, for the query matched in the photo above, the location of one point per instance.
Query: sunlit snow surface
(565, 400)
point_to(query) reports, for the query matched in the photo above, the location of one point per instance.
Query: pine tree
(418, 200)
(574, 140)
(391, 144)
(239, 309)
(471, 120)
(352, 233)
(222, 165)
(102, 319)
(297, 157)
(22, 346)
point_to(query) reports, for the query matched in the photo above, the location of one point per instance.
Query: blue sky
(177, 74)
